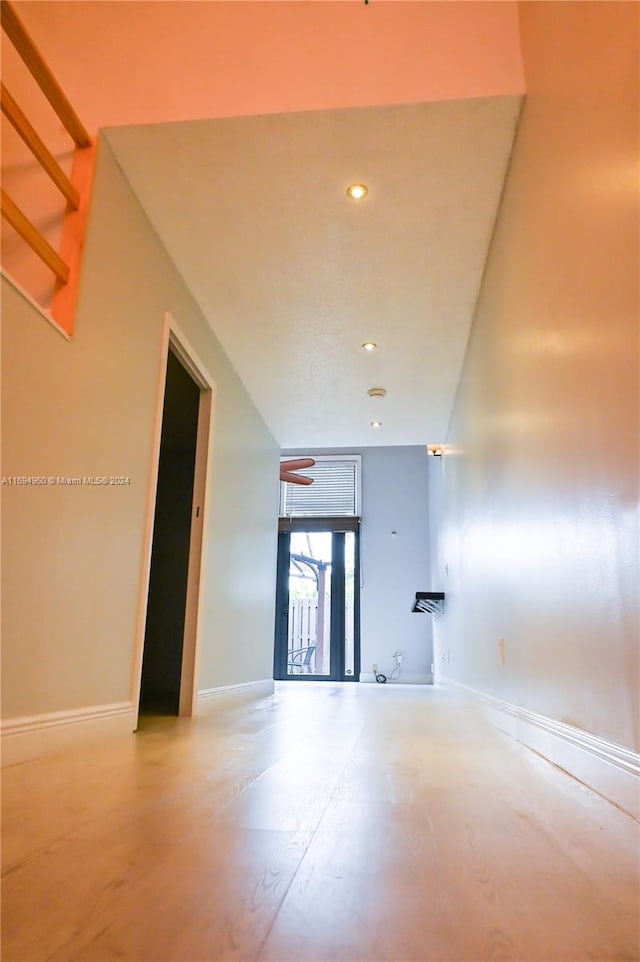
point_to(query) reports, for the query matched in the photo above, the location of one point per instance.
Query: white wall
(437, 572)
(541, 476)
(73, 557)
(394, 498)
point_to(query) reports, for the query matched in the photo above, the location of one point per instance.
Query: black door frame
(337, 629)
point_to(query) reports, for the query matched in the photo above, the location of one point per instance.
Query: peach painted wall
(152, 62)
(540, 484)
(138, 62)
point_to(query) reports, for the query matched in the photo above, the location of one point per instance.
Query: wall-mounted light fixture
(435, 450)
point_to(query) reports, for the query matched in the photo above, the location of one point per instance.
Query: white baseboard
(212, 699)
(609, 769)
(35, 735)
(368, 677)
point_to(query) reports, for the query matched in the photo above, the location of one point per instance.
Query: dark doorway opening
(165, 623)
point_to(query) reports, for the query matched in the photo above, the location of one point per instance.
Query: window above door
(335, 492)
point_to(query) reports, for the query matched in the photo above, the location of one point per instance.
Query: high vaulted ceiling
(251, 205)
(293, 276)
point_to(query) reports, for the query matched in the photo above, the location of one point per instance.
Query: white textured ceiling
(292, 275)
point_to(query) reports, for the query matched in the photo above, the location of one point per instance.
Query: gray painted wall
(73, 556)
(393, 568)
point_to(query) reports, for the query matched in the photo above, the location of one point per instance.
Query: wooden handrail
(38, 148)
(75, 188)
(21, 223)
(15, 30)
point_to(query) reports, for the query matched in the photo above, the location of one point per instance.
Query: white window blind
(335, 491)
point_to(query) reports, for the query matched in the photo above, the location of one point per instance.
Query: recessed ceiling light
(357, 191)
(376, 424)
(377, 392)
(369, 345)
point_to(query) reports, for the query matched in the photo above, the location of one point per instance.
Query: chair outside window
(299, 661)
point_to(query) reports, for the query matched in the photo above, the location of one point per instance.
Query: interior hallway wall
(392, 567)
(540, 479)
(73, 555)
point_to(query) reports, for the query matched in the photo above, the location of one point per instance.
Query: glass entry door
(316, 606)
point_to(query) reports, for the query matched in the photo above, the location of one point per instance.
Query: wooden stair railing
(76, 189)
(38, 244)
(37, 147)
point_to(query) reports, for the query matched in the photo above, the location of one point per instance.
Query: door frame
(174, 339)
(281, 632)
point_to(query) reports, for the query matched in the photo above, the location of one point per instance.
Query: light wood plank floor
(326, 824)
